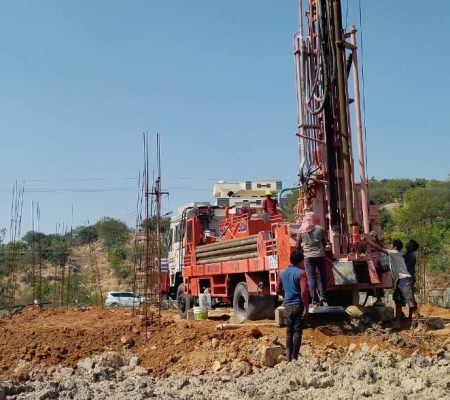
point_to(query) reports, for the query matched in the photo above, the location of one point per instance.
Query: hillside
(71, 268)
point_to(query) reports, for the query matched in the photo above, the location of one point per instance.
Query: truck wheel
(240, 301)
(252, 307)
(183, 301)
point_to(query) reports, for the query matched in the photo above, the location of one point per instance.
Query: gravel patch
(361, 375)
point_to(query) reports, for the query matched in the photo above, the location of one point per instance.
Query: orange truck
(236, 254)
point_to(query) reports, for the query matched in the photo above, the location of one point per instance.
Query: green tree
(425, 208)
(54, 248)
(165, 232)
(13, 253)
(57, 249)
(118, 259)
(291, 202)
(386, 220)
(85, 235)
(112, 231)
(79, 290)
(425, 217)
(33, 237)
(392, 190)
(44, 291)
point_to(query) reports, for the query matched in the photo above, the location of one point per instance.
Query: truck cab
(232, 198)
(209, 217)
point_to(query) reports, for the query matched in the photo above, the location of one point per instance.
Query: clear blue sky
(81, 80)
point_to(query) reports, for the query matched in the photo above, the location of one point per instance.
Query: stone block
(86, 364)
(134, 361)
(436, 323)
(269, 355)
(216, 366)
(242, 368)
(279, 316)
(351, 347)
(190, 315)
(356, 311)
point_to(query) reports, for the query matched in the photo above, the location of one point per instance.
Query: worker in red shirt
(293, 282)
(270, 205)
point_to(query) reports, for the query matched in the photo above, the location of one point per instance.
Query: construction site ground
(39, 342)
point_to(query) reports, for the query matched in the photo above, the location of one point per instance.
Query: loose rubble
(112, 354)
(363, 375)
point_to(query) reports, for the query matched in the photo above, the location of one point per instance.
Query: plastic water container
(204, 301)
(200, 313)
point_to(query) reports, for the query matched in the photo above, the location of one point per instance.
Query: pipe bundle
(229, 250)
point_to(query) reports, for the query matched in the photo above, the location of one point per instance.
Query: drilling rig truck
(236, 253)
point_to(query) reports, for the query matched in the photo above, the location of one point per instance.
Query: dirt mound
(51, 337)
(39, 339)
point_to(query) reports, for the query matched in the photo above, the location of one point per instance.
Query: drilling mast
(325, 60)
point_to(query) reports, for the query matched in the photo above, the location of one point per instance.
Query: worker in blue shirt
(293, 282)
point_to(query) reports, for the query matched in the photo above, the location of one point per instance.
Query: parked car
(123, 299)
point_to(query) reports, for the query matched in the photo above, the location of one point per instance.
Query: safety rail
(270, 247)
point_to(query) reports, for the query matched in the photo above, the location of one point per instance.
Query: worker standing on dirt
(404, 287)
(411, 257)
(269, 205)
(293, 282)
(404, 283)
(410, 260)
(312, 238)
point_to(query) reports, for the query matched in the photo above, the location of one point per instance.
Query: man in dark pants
(410, 260)
(404, 287)
(312, 238)
(294, 283)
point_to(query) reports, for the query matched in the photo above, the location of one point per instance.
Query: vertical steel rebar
(158, 225)
(148, 278)
(39, 253)
(12, 254)
(33, 254)
(147, 266)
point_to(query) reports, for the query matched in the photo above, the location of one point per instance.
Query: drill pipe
(235, 257)
(226, 244)
(233, 250)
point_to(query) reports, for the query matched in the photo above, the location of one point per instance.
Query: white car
(123, 299)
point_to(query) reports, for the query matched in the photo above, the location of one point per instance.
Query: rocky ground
(113, 354)
(363, 374)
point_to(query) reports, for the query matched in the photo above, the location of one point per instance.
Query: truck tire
(252, 307)
(183, 301)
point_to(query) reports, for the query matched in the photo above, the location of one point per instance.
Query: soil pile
(37, 340)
